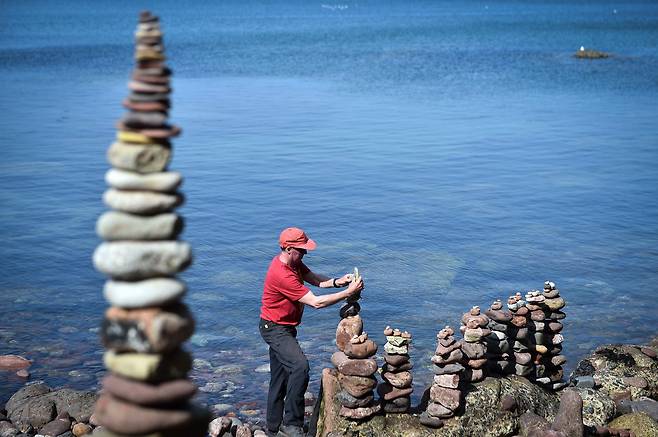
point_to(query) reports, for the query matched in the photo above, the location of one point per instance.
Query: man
(284, 297)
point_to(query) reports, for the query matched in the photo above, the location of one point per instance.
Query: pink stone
(449, 398)
(13, 362)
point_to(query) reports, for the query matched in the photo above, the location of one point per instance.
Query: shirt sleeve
(292, 287)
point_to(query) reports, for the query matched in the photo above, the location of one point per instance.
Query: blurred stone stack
(147, 390)
(396, 390)
(355, 365)
(552, 360)
(500, 359)
(444, 395)
(474, 347)
(519, 337)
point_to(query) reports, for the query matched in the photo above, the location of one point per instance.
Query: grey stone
(585, 382)
(127, 180)
(141, 202)
(7, 429)
(113, 225)
(149, 292)
(129, 260)
(142, 158)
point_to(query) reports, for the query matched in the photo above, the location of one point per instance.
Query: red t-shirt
(283, 288)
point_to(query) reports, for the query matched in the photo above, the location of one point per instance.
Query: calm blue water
(453, 151)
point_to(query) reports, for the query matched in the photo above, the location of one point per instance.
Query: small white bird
(582, 48)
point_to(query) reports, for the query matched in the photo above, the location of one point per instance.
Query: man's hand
(345, 280)
(355, 287)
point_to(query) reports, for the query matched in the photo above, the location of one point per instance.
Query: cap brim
(309, 245)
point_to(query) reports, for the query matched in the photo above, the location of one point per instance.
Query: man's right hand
(355, 287)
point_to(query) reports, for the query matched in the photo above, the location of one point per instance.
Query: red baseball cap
(295, 237)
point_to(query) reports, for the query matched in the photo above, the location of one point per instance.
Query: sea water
(456, 152)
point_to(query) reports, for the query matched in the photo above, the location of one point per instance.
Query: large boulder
(639, 423)
(621, 369)
(35, 405)
(481, 415)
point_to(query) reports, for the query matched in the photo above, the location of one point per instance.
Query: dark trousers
(288, 375)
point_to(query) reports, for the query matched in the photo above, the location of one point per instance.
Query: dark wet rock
(28, 391)
(58, 426)
(531, 424)
(447, 369)
(590, 54)
(569, 418)
(640, 424)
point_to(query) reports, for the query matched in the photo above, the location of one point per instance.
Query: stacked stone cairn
(147, 390)
(519, 336)
(354, 363)
(551, 362)
(396, 390)
(474, 347)
(500, 359)
(445, 397)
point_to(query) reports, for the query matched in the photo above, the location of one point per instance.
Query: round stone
(166, 182)
(150, 292)
(114, 225)
(142, 158)
(128, 260)
(141, 202)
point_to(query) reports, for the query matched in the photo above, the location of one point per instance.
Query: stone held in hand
(142, 202)
(115, 226)
(353, 367)
(128, 260)
(139, 294)
(140, 393)
(141, 158)
(350, 309)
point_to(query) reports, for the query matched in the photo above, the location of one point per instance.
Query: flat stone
(149, 367)
(402, 401)
(357, 386)
(157, 79)
(555, 304)
(448, 369)
(648, 352)
(114, 226)
(399, 379)
(585, 382)
(129, 260)
(359, 413)
(449, 398)
(347, 328)
(353, 367)
(499, 315)
(474, 350)
(444, 350)
(555, 327)
(165, 182)
(401, 368)
(149, 97)
(142, 158)
(142, 87)
(56, 427)
(126, 418)
(388, 392)
(146, 106)
(361, 350)
(430, 421)
(142, 202)
(347, 400)
(395, 409)
(455, 356)
(447, 381)
(163, 133)
(141, 119)
(149, 330)
(149, 292)
(391, 349)
(14, 362)
(447, 341)
(396, 359)
(475, 364)
(557, 315)
(435, 409)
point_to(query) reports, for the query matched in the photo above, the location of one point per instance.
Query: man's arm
(326, 300)
(323, 281)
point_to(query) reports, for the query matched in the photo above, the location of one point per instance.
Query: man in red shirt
(284, 297)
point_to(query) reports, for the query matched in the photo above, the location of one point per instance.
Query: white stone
(149, 292)
(142, 158)
(141, 202)
(134, 260)
(114, 225)
(167, 181)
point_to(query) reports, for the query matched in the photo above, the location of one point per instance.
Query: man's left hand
(345, 280)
